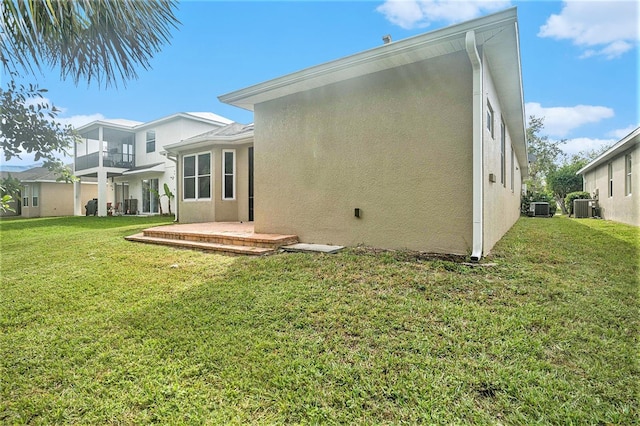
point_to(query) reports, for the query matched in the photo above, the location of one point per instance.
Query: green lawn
(95, 330)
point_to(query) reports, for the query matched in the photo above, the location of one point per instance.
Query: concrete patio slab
(316, 248)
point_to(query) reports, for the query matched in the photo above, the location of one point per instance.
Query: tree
(92, 40)
(169, 195)
(545, 153)
(10, 188)
(101, 40)
(564, 180)
(27, 124)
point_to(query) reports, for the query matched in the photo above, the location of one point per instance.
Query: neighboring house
(216, 175)
(614, 179)
(416, 144)
(126, 158)
(42, 195)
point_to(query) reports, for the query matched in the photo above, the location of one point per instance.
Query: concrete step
(270, 241)
(203, 245)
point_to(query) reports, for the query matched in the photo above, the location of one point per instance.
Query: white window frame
(513, 166)
(35, 195)
(197, 177)
(627, 174)
(25, 196)
(226, 174)
(149, 132)
(503, 153)
(490, 119)
(610, 179)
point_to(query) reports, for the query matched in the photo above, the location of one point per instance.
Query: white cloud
(602, 28)
(410, 14)
(80, 120)
(75, 120)
(576, 145)
(560, 121)
(621, 133)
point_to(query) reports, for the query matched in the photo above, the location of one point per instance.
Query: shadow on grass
(86, 222)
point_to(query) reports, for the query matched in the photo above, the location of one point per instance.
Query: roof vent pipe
(386, 39)
(476, 65)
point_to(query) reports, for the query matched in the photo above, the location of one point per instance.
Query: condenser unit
(539, 209)
(584, 208)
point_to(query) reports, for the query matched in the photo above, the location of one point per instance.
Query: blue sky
(579, 59)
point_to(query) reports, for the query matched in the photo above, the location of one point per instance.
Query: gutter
(478, 226)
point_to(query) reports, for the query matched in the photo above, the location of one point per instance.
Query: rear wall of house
(396, 144)
(619, 206)
(217, 209)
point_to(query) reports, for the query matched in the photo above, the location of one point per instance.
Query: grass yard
(98, 330)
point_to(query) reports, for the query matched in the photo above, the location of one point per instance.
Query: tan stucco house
(42, 195)
(614, 179)
(216, 175)
(416, 144)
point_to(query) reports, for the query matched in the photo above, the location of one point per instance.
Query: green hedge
(578, 195)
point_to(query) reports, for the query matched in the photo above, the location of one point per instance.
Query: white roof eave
(195, 143)
(403, 52)
(622, 145)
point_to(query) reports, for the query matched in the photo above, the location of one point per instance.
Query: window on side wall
(490, 118)
(627, 174)
(196, 176)
(513, 166)
(25, 196)
(503, 154)
(151, 141)
(228, 174)
(35, 194)
(610, 176)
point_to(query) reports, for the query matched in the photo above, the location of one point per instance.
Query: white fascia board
(502, 51)
(100, 123)
(157, 168)
(395, 54)
(181, 115)
(622, 145)
(208, 141)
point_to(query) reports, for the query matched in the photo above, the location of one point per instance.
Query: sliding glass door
(150, 196)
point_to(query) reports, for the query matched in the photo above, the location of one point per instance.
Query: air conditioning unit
(584, 208)
(539, 209)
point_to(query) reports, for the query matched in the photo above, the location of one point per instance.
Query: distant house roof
(622, 145)
(39, 174)
(496, 35)
(233, 133)
(131, 125)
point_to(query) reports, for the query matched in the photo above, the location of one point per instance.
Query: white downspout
(476, 64)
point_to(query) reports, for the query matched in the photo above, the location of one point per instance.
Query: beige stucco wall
(397, 144)
(620, 207)
(501, 207)
(56, 199)
(216, 209)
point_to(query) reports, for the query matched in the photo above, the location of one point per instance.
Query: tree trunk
(560, 201)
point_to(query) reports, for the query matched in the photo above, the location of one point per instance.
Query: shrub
(578, 195)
